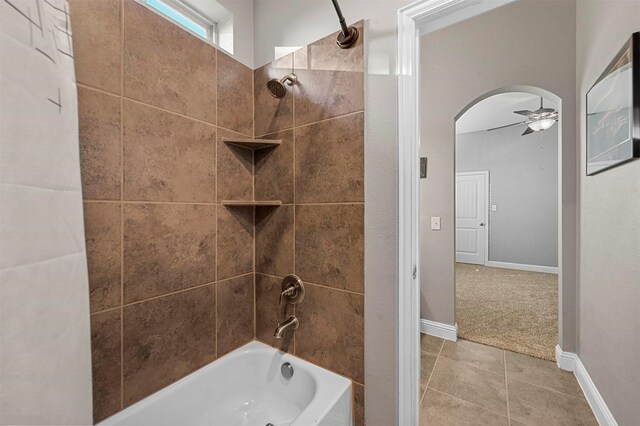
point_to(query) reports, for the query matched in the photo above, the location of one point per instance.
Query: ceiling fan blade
(525, 112)
(508, 125)
(528, 131)
(542, 110)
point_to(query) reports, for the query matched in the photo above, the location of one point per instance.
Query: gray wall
(523, 174)
(609, 294)
(460, 64)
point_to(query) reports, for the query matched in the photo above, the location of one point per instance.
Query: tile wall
(170, 270)
(318, 233)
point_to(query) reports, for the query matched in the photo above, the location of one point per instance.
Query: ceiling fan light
(541, 124)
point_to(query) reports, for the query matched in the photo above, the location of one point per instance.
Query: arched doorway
(508, 235)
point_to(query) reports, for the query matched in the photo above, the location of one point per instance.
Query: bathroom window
(182, 14)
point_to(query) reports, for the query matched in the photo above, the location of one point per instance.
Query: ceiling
(497, 111)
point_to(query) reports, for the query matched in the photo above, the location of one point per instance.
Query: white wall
(609, 294)
(298, 22)
(460, 64)
(523, 174)
(242, 11)
(45, 350)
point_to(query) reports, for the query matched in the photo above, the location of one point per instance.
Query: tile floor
(466, 383)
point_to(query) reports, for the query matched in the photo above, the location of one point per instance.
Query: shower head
(276, 87)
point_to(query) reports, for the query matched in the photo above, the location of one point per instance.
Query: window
(186, 17)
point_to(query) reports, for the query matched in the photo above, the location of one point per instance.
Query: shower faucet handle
(286, 294)
(292, 290)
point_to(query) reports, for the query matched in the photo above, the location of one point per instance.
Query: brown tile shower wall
(318, 232)
(170, 269)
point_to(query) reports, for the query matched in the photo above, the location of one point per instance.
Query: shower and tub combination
(190, 212)
(254, 385)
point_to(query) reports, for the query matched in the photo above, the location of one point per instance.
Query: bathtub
(246, 387)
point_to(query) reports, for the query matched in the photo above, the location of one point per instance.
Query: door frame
(412, 21)
(487, 192)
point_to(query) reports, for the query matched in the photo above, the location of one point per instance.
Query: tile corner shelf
(252, 144)
(251, 203)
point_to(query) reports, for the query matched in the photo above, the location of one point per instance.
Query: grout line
(215, 266)
(137, 302)
(550, 389)
(314, 284)
(473, 366)
(96, 89)
(293, 172)
(426, 386)
(152, 202)
(215, 313)
(468, 402)
(253, 104)
(244, 274)
(125, 98)
(121, 204)
(253, 165)
(311, 124)
(506, 385)
(104, 311)
(216, 85)
(198, 203)
(339, 203)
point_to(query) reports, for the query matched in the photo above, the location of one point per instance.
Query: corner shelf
(250, 203)
(252, 144)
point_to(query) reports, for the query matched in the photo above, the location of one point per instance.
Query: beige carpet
(508, 309)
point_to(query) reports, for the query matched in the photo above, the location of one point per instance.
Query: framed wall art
(613, 111)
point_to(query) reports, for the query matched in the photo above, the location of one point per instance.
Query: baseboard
(438, 329)
(571, 362)
(523, 267)
(565, 360)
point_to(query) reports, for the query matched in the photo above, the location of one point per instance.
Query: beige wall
(609, 294)
(460, 64)
(170, 269)
(318, 232)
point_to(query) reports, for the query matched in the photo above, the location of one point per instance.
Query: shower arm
(349, 35)
(343, 22)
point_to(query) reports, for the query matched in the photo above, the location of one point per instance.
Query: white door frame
(412, 20)
(487, 191)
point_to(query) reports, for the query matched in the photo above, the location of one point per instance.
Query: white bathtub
(246, 387)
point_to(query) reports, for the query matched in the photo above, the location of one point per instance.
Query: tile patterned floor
(466, 383)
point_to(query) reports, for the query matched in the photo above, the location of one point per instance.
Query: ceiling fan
(537, 121)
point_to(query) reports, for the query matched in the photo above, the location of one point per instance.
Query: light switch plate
(494, 208)
(435, 223)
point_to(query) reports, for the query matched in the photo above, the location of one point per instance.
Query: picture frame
(613, 112)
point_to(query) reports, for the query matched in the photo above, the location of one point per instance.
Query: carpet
(508, 309)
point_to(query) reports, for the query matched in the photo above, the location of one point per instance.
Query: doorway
(506, 226)
(472, 197)
(416, 21)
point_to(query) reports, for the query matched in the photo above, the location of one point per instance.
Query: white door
(471, 217)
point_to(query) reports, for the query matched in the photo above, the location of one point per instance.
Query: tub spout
(290, 324)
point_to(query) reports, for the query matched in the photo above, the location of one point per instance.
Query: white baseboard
(565, 360)
(571, 362)
(522, 267)
(438, 329)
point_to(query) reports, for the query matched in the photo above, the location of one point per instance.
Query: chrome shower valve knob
(292, 290)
